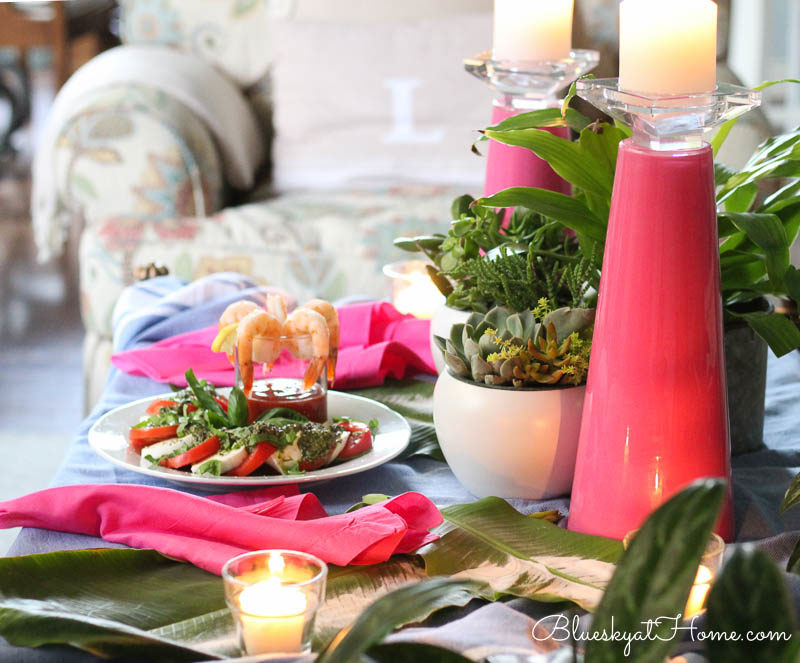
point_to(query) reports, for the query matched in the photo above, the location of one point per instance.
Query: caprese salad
(201, 431)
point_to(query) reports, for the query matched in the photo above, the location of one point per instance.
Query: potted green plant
(508, 408)
(480, 264)
(756, 229)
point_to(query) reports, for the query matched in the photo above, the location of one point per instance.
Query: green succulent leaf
(457, 337)
(749, 595)
(655, 574)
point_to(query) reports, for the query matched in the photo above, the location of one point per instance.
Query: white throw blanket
(190, 80)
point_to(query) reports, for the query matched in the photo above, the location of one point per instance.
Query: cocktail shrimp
(234, 314)
(258, 339)
(276, 305)
(327, 311)
(302, 322)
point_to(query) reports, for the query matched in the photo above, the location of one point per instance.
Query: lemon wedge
(226, 339)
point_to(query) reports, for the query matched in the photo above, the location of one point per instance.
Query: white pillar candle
(668, 47)
(272, 617)
(532, 30)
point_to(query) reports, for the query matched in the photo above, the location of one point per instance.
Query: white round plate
(109, 438)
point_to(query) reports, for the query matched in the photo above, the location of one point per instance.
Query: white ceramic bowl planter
(506, 441)
(441, 323)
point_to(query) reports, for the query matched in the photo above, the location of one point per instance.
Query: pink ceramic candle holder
(655, 416)
(520, 87)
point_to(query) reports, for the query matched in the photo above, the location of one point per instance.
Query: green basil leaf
(216, 415)
(282, 413)
(654, 576)
(238, 412)
(749, 595)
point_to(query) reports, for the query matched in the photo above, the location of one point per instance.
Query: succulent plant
(539, 347)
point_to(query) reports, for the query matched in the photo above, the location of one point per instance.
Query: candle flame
(276, 563)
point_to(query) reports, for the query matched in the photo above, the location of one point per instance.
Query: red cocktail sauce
(289, 393)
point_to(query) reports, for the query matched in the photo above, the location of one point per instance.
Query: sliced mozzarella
(284, 459)
(164, 448)
(228, 460)
(341, 441)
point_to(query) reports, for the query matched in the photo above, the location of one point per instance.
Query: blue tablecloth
(146, 316)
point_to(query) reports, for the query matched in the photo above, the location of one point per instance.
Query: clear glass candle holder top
(710, 564)
(274, 596)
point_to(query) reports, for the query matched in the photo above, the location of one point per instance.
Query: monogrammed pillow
(378, 91)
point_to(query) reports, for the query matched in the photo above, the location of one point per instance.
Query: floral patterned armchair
(140, 177)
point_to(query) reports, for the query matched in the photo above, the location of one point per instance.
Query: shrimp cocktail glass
(306, 341)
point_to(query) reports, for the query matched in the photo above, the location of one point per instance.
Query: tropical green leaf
(792, 496)
(113, 603)
(573, 92)
(565, 209)
(542, 119)
(724, 131)
(722, 173)
(792, 279)
(740, 199)
(793, 565)
(602, 143)
(393, 610)
(741, 270)
(565, 157)
(491, 542)
(776, 329)
(767, 232)
(413, 652)
(414, 400)
(654, 576)
(749, 595)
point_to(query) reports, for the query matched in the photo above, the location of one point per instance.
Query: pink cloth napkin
(209, 531)
(376, 342)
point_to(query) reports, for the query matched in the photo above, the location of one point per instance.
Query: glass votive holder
(710, 564)
(412, 289)
(274, 596)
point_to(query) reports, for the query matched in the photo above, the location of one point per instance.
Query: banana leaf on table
(413, 399)
(140, 603)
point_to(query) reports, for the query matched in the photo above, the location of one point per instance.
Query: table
(760, 479)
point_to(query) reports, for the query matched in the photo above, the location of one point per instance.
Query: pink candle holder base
(509, 165)
(655, 415)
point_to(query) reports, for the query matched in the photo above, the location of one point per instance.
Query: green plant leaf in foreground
(111, 603)
(655, 574)
(389, 612)
(491, 542)
(749, 595)
(777, 330)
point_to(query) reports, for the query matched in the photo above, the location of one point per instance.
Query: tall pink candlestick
(509, 165)
(655, 415)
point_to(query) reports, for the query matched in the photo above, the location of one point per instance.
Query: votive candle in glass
(274, 596)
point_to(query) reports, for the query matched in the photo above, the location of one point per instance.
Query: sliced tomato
(311, 465)
(255, 459)
(223, 402)
(359, 442)
(155, 406)
(142, 437)
(193, 455)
